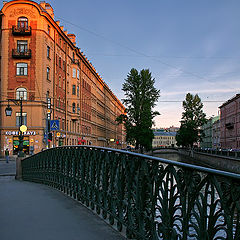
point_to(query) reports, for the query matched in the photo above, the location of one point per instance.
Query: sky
(189, 46)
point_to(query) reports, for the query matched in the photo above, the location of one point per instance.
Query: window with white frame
(22, 46)
(23, 22)
(78, 73)
(18, 119)
(21, 93)
(74, 73)
(22, 69)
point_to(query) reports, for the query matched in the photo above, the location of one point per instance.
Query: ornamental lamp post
(8, 112)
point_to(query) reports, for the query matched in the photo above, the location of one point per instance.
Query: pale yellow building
(164, 139)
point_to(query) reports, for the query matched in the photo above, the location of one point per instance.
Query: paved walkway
(33, 211)
(7, 169)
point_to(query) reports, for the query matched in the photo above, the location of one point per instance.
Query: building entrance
(16, 145)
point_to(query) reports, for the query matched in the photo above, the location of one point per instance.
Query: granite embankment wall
(214, 161)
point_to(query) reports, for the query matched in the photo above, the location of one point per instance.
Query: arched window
(21, 93)
(23, 22)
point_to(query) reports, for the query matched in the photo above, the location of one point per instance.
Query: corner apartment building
(230, 123)
(41, 65)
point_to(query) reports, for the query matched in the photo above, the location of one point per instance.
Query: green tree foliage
(140, 98)
(193, 118)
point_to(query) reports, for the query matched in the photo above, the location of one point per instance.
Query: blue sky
(189, 46)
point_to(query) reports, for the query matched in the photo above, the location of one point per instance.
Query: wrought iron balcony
(21, 54)
(21, 31)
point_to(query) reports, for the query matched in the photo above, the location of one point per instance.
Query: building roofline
(44, 13)
(230, 100)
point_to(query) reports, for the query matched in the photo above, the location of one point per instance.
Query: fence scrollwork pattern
(146, 197)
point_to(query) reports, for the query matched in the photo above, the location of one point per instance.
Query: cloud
(220, 90)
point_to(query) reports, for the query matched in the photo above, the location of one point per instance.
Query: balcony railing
(21, 54)
(21, 31)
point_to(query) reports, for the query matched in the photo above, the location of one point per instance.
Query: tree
(193, 118)
(140, 99)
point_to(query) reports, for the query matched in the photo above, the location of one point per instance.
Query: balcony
(21, 54)
(229, 125)
(21, 31)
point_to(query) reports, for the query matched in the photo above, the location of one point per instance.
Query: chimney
(72, 37)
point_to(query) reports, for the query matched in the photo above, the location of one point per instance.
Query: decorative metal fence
(145, 197)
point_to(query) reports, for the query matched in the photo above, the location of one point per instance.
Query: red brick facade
(56, 70)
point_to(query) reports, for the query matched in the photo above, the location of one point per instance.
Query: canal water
(180, 158)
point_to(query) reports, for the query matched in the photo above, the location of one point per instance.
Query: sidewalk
(34, 211)
(7, 169)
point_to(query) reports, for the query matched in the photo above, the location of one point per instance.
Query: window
(73, 56)
(74, 73)
(73, 89)
(78, 108)
(48, 52)
(73, 107)
(48, 73)
(60, 65)
(22, 69)
(23, 22)
(64, 66)
(48, 29)
(22, 46)
(78, 91)
(18, 119)
(77, 74)
(21, 93)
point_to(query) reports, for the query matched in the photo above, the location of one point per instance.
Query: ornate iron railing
(21, 31)
(21, 54)
(146, 197)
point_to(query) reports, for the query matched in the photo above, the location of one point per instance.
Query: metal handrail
(149, 197)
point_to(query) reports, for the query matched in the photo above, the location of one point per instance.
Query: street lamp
(8, 112)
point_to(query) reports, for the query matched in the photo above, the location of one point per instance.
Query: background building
(41, 64)
(210, 136)
(164, 139)
(216, 133)
(230, 123)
